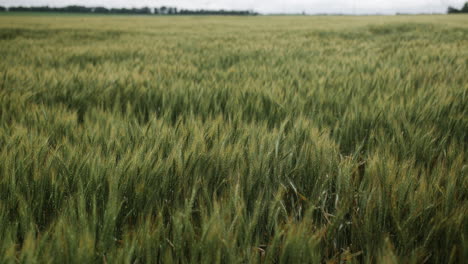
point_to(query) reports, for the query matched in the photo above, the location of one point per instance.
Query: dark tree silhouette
(19, 9)
(101, 10)
(453, 10)
(164, 10)
(465, 8)
(77, 9)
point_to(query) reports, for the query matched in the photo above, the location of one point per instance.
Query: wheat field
(288, 139)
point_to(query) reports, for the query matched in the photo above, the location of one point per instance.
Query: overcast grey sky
(269, 6)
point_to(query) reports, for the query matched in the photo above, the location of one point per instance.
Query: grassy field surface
(233, 139)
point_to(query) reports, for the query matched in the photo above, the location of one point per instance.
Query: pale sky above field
(269, 6)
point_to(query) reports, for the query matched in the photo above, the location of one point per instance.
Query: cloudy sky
(269, 6)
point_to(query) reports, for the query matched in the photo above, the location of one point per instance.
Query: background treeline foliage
(464, 9)
(144, 10)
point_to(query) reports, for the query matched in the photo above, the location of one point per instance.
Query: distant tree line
(215, 12)
(81, 9)
(452, 10)
(139, 11)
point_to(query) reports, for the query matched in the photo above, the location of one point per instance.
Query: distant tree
(2, 9)
(101, 10)
(465, 8)
(136, 11)
(121, 11)
(164, 10)
(217, 12)
(452, 10)
(40, 9)
(145, 10)
(19, 9)
(77, 9)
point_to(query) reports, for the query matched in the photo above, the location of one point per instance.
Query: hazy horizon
(271, 6)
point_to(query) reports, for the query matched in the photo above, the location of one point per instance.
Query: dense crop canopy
(233, 140)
